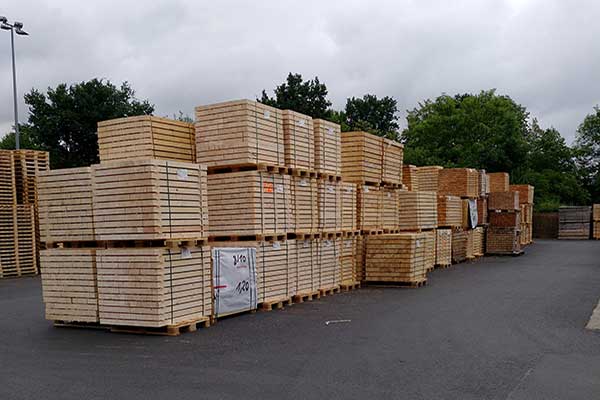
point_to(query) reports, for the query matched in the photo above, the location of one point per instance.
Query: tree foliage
(64, 120)
(306, 97)
(587, 153)
(374, 115)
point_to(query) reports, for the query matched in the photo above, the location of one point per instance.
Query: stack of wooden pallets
(503, 232)
(417, 210)
(409, 177)
(328, 144)
(461, 182)
(443, 247)
(449, 211)
(19, 225)
(596, 221)
(299, 141)
(526, 193)
(574, 222)
(428, 178)
(498, 181)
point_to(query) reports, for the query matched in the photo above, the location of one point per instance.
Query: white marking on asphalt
(337, 321)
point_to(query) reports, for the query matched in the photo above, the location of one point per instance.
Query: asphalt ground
(495, 328)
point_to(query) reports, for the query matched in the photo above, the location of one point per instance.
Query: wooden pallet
(304, 204)
(397, 284)
(329, 205)
(362, 157)
(303, 297)
(346, 287)
(18, 241)
(402, 257)
(167, 330)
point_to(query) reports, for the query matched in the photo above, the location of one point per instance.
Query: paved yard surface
(497, 328)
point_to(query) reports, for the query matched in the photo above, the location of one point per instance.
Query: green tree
(64, 120)
(8, 141)
(485, 130)
(306, 97)
(374, 115)
(587, 148)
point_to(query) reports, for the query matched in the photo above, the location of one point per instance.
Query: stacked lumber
(65, 205)
(397, 257)
(459, 245)
(417, 210)
(348, 255)
(153, 286)
(149, 200)
(328, 146)
(392, 156)
(508, 201)
(305, 262)
(526, 193)
(443, 247)
(479, 241)
(304, 207)
(69, 283)
(299, 138)
(484, 183)
(428, 178)
(329, 205)
(449, 211)
(502, 240)
(362, 158)
(461, 182)
(266, 199)
(18, 241)
(596, 221)
(409, 177)
(328, 262)
(499, 181)
(390, 209)
(505, 219)
(241, 132)
(370, 206)
(574, 222)
(349, 206)
(430, 246)
(144, 137)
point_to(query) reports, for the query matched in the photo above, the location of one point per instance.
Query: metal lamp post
(15, 27)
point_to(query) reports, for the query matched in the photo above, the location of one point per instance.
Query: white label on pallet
(267, 114)
(301, 122)
(349, 189)
(234, 272)
(348, 243)
(366, 189)
(330, 189)
(303, 182)
(418, 243)
(330, 130)
(182, 173)
(279, 188)
(327, 243)
(306, 243)
(276, 245)
(389, 195)
(186, 252)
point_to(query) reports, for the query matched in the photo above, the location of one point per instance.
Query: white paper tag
(389, 195)
(303, 182)
(330, 131)
(301, 122)
(330, 189)
(279, 188)
(366, 189)
(186, 253)
(327, 243)
(267, 114)
(182, 173)
(306, 243)
(349, 189)
(418, 243)
(276, 245)
(348, 243)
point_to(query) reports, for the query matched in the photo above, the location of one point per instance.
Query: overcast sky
(545, 54)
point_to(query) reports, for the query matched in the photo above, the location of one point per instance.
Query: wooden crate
(18, 244)
(409, 177)
(149, 200)
(362, 157)
(328, 147)
(349, 205)
(417, 210)
(8, 187)
(241, 132)
(449, 211)
(299, 140)
(304, 208)
(69, 284)
(479, 241)
(153, 286)
(392, 156)
(348, 262)
(506, 219)
(428, 178)
(65, 205)
(501, 240)
(525, 193)
(484, 183)
(459, 245)
(482, 211)
(329, 205)
(499, 181)
(397, 257)
(503, 201)
(144, 137)
(370, 206)
(250, 203)
(461, 182)
(390, 212)
(443, 247)
(28, 165)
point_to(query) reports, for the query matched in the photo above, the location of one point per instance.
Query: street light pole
(18, 27)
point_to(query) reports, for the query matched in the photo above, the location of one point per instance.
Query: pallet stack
(428, 178)
(574, 222)
(19, 223)
(126, 239)
(526, 204)
(503, 233)
(596, 221)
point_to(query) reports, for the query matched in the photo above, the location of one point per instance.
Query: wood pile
(596, 221)
(502, 240)
(349, 206)
(390, 208)
(397, 257)
(479, 241)
(428, 178)
(526, 194)
(574, 222)
(443, 247)
(305, 268)
(348, 255)
(449, 211)
(241, 132)
(328, 147)
(459, 245)
(299, 140)
(417, 210)
(409, 177)
(504, 201)
(430, 246)
(362, 158)
(392, 156)
(370, 205)
(461, 182)
(304, 204)
(144, 137)
(329, 205)
(499, 181)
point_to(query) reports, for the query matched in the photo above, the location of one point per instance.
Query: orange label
(268, 187)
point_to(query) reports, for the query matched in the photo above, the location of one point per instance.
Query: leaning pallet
(370, 206)
(149, 200)
(144, 137)
(298, 135)
(349, 206)
(18, 244)
(362, 157)
(328, 147)
(461, 182)
(266, 198)
(449, 211)
(239, 133)
(499, 181)
(428, 178)
(154, 286)
(417, 210)
(400, 258)
(443, 247)
(409, 178)
(392, 154)
(304, 204)
(65, 205)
